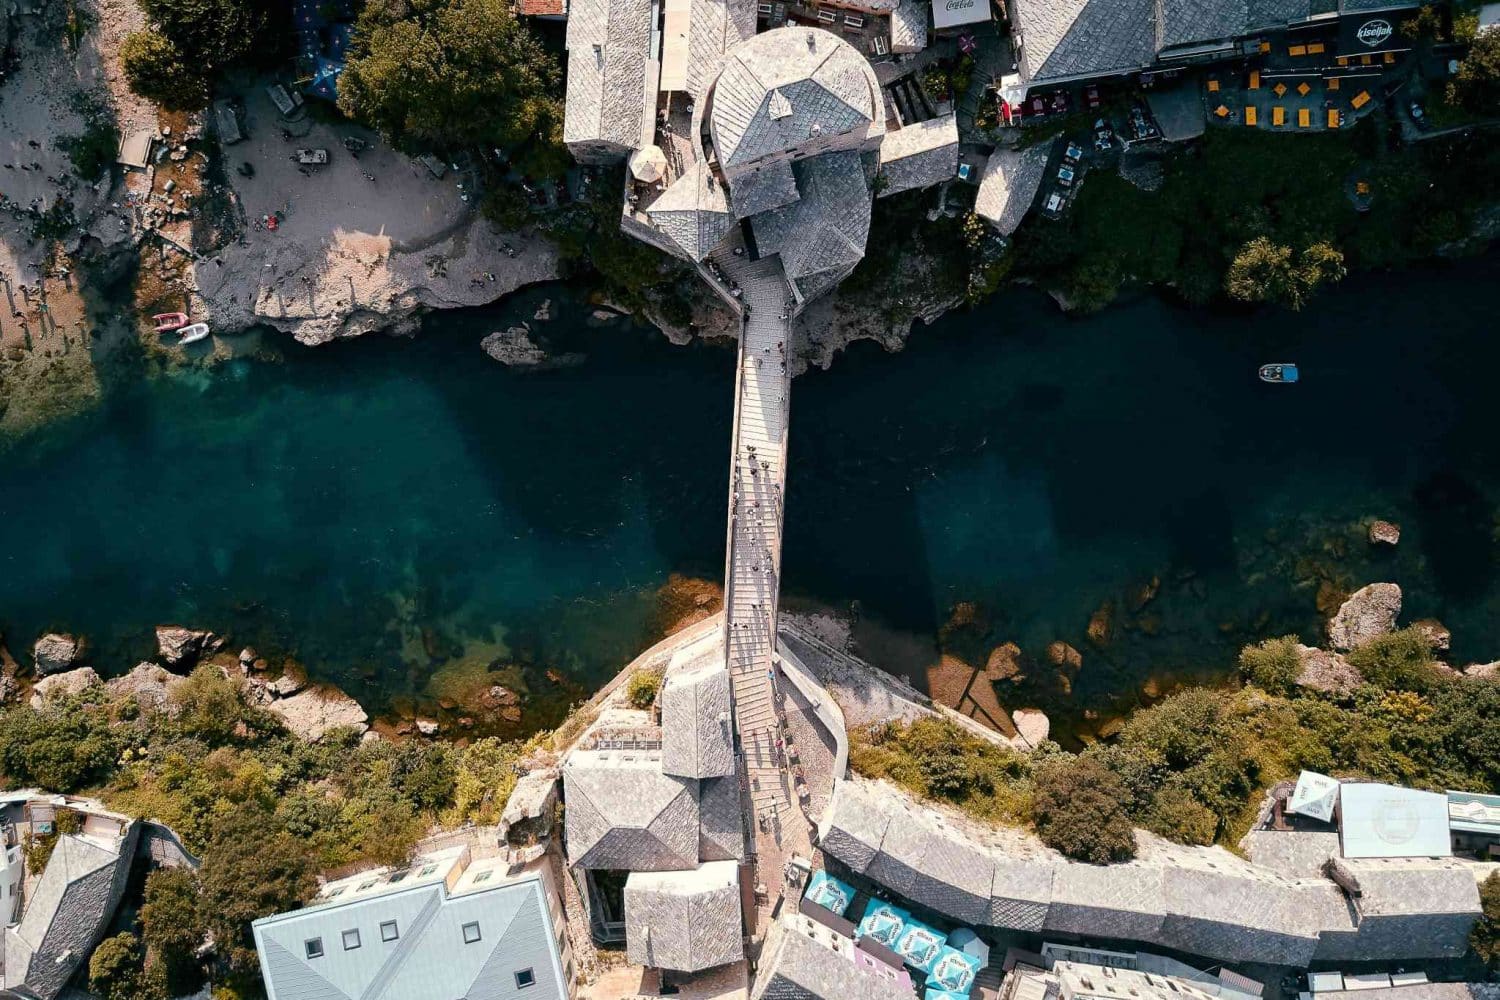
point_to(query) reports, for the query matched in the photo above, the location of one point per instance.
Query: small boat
(192, 334)
(1282, 372)
(167, 322)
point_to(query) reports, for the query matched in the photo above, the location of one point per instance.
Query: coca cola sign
(1374, 33)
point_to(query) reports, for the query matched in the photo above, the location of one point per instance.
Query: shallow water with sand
(387, 509)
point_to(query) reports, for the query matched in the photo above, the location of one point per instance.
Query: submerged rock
(1484, 671)
(66, 683)
(312, 712)
(1384, 533)
(1324, 670)
(1102, 625)
(1004, 663)
(427, 727)
(1436, 632)
(1063, 655)
(54, 652)
(1369, 612)
(514, 346)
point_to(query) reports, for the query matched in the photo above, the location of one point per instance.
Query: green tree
(486, 776)
(642, 688)
(252, 868)
(1476, 85)
(156, 70)
(1077, 810)
(210, 706)
(1485, 937)
(1272, 665)
(172, 926)
(451, 74)
(1265, 271)
(1177, 815)
(61, 747)
(115, 967)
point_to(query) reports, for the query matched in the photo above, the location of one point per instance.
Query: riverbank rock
(1032, 725)
(179, 646)
(148, 683)
(1324, 670)
(1384, 533)
(1004, 663)
(54, 652)
(312, 712)
(1436, 632)
(1369, 612)
(543, 312)
(1483, 671)
(1144, 593)
(1060, 654)
(1102, 625)
(287, 684)
(427, 727)
(65, 683)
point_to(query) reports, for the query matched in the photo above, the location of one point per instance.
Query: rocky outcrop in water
(1369, 612)
(515, 348)
(178, 646)
(148, 683)
(1384, 533)
(54, 652)
(66, 683)
(1032, 726)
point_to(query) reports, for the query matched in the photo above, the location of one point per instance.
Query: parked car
(1091, 96)
(1073, 153)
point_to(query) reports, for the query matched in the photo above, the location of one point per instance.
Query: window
(365, 885)
(399, 876)
(482, 877)
(525, 978)
(351, 939)
(313, 947)
(337, 892)
(389, 931)
(471, 933)
(427, 871)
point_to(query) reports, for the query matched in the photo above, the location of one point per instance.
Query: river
(388, 508)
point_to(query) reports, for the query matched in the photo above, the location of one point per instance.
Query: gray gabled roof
(768, 186)
(693, 212)
(624, 814)
(69, 907)
(1191, 22)
(611, 73)
(428, 954)
(714, 27)
(1009, 185)
(721, 827)
(697, 741)
(1072, 39)
(684, 921)
(794, 966)
(909, 26)
(919, 155)
(830, 87)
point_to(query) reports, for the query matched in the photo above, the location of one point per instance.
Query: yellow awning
(1333, 83)
(1333, 118)
(1213, 86)
(1360, 99)
(1250, 115)
(1315, 48)
(1255, 79)
(1278, 115)
(1297, 50)
(1304, 118)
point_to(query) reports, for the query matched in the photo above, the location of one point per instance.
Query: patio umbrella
(969, 943)
(932, 994)
(829, 893)
(966, 43)
(920, 945)
(648, 164)
(953, 970)
(883, 922)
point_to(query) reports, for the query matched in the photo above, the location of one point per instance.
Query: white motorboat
(192, 334)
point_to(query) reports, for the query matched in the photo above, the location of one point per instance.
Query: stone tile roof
(820, 85)
(1297, 854)
(919, 155)
(697, 741)
(824, 232)
(768, 186)
(1072, 39)
(428, 956)
(68, 910)
(1269, 13)
(624, 814)
(693, 212)
(721, 829)
(1188, 22)
(909, 26)
(1201, 900)
(1009, 185)
(684, 921)
(611, 74)
(794, 966)
(714, 27)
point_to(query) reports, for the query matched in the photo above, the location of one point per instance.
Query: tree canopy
(448, 74)
(188, 43)
(1265, 271)
(1077, 810)
(1476, 86)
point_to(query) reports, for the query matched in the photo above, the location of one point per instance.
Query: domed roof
(783, 87)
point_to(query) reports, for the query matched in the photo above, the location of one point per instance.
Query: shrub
(1397, 661)
(1177, 815)
(172, 925)
(485, 777)
(1077, 811)
(642, 688)
(61, 748)
(251, 869)
(1272, 665)
(1476, 86)
(1180, 731)
(933, 757)
(114, 968)
(1485, 937)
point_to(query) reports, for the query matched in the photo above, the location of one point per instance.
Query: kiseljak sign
(1363, 34)
(950, 13)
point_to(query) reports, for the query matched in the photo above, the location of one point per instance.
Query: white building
(445, 928)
